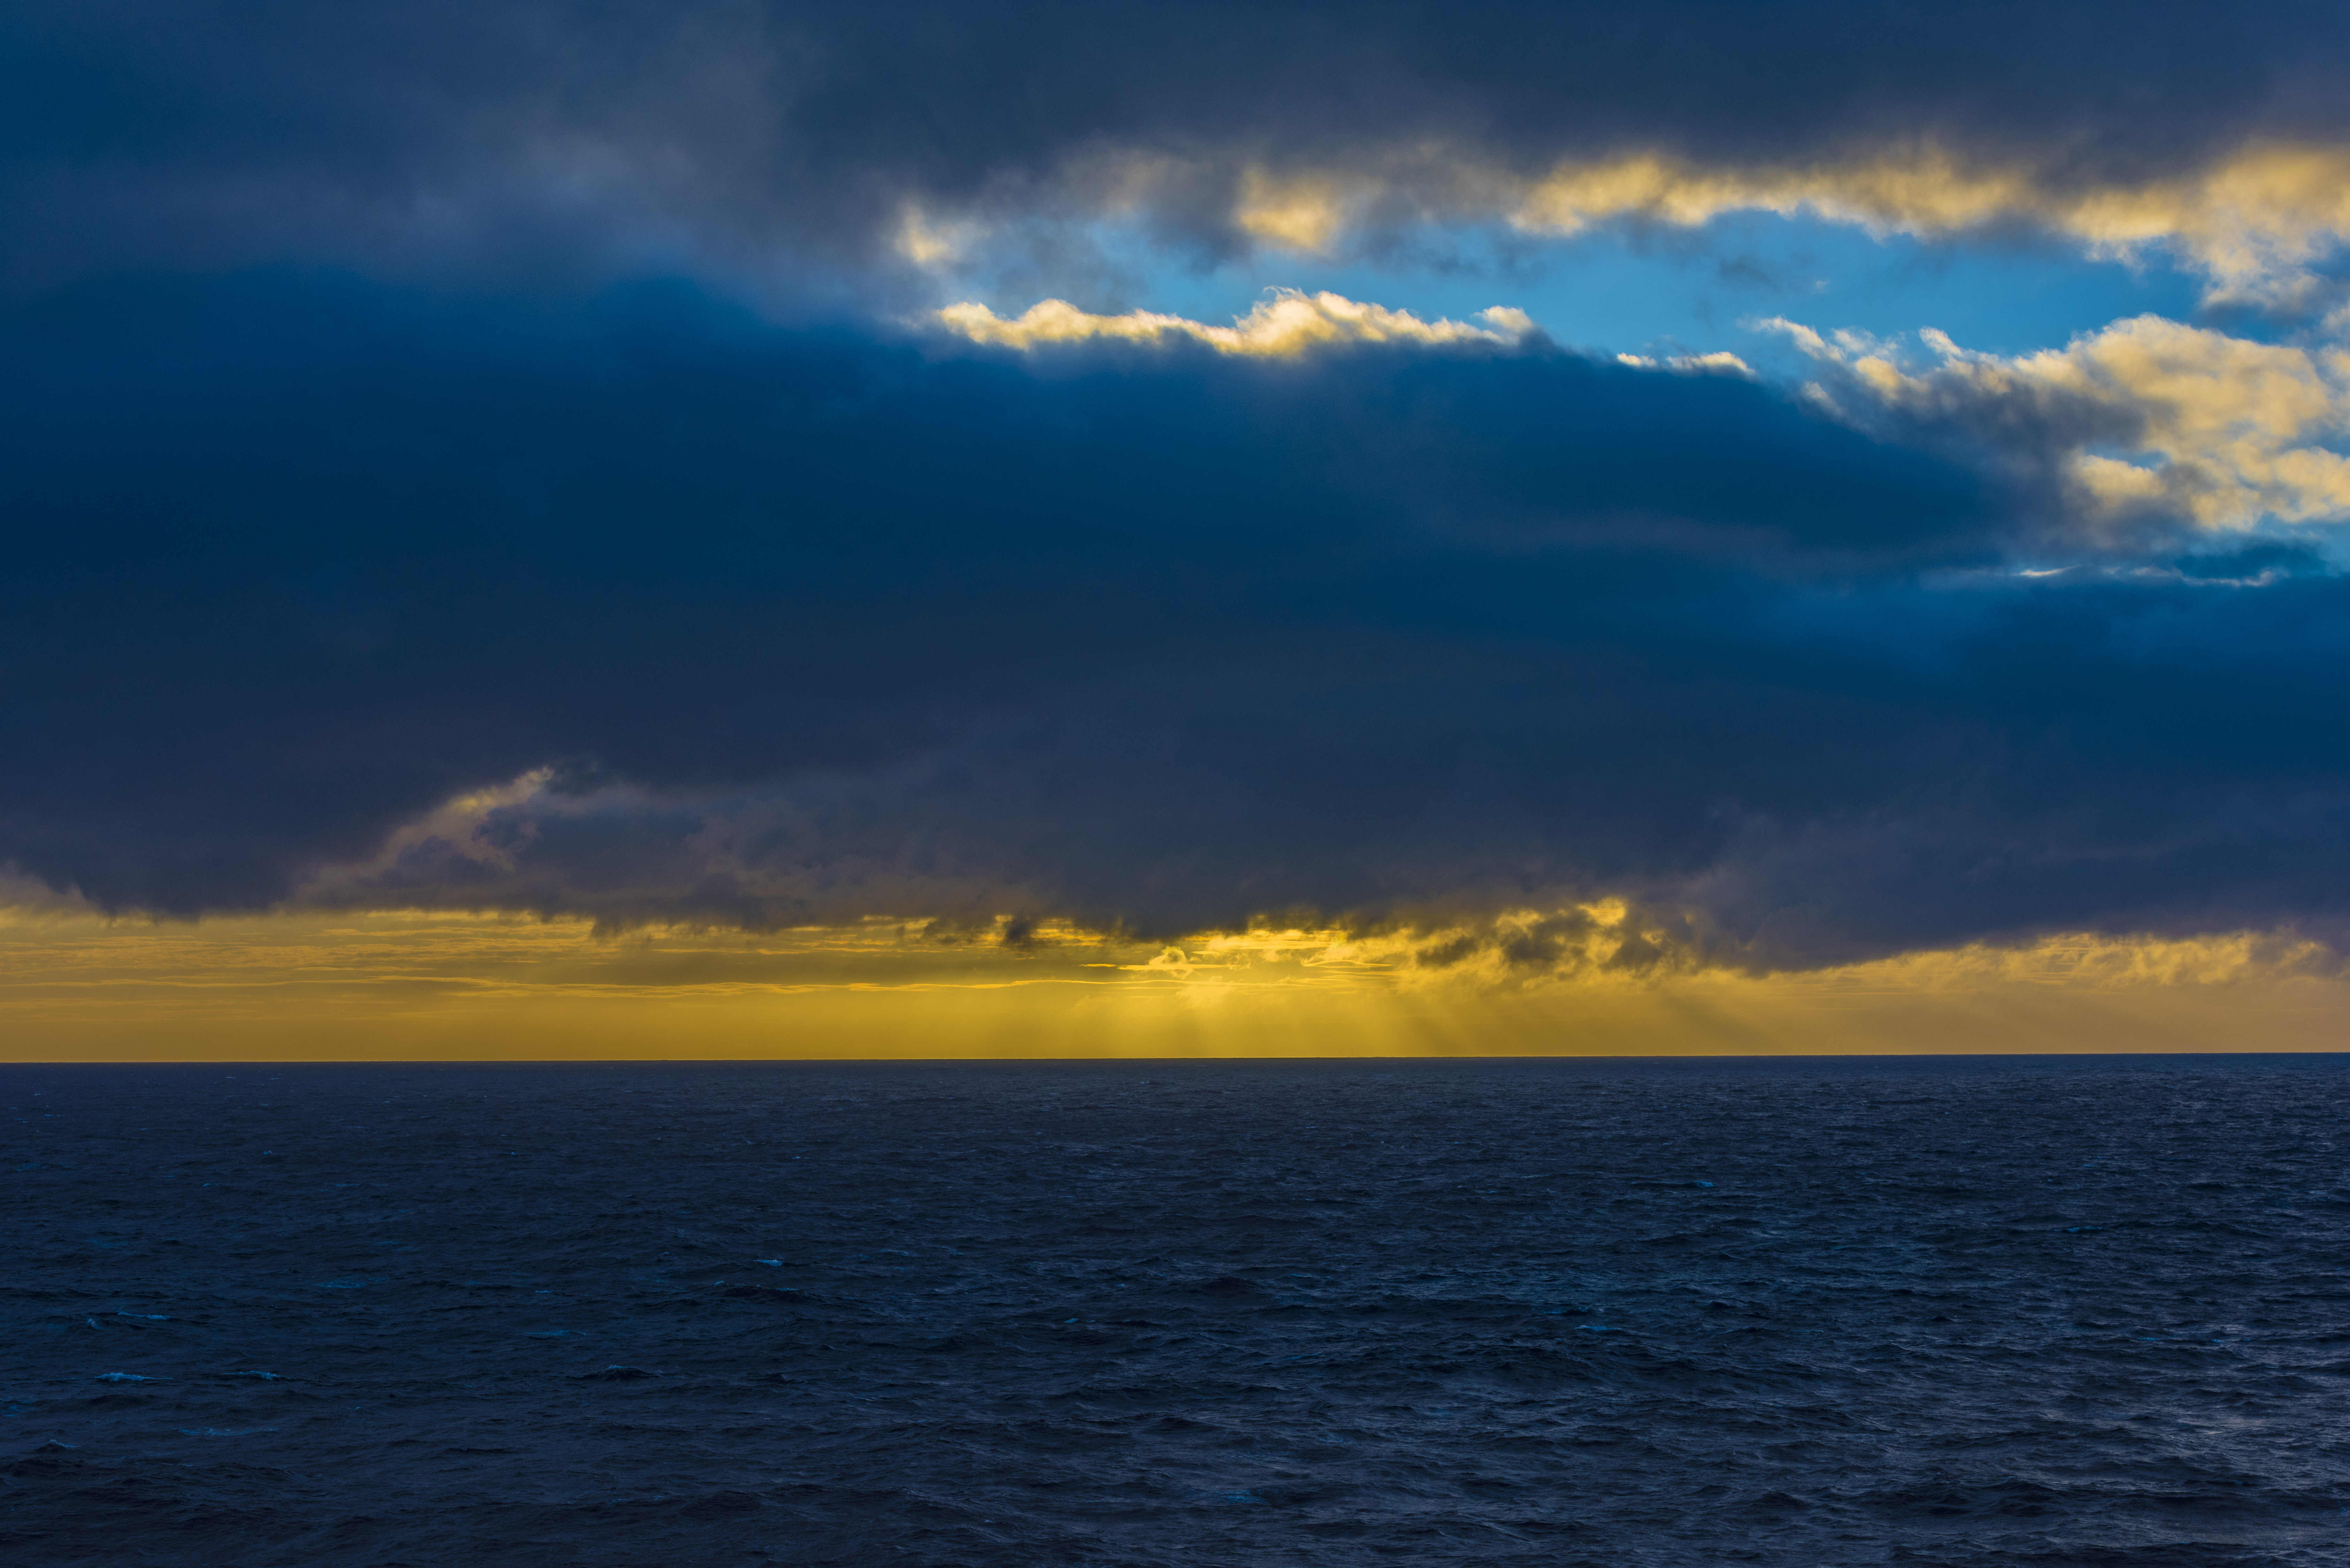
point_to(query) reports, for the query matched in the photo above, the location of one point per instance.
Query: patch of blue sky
(1660, 291)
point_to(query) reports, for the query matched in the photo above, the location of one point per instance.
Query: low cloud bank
(694, 618)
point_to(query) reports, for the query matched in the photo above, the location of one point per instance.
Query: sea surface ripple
(2047, 1310)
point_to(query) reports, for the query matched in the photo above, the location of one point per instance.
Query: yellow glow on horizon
(441, 985)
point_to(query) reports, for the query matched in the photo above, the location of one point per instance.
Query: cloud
(2253, 220)
(1291, 322)
(1718, 363)
(2193, 423)
(643, 610)
(299, 561)
(2258, 223)
(771, 628)
(771, 148)
(507, 463)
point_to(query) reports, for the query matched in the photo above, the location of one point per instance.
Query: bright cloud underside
(2222, 430)
(1290, 323)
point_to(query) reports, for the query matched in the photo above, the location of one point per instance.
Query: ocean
(1689, 1312)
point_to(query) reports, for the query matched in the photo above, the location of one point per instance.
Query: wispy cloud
(2252, 221)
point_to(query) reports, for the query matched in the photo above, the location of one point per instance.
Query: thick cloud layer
(810, 625)
(377, 532)
(789, 146)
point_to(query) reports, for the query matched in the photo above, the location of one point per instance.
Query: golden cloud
(2226, 432)
(1288, 323)
(2252, 220)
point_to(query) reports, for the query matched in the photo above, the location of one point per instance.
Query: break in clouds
(537, 459)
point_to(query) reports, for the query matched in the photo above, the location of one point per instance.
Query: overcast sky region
(1462, 503)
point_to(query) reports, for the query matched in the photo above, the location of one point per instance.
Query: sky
(709, 529)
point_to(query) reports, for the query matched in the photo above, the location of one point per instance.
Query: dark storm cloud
(348, 471)
(812, 625)
(780, 143)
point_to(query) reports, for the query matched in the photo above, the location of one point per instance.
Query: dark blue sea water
(2085, 1310)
